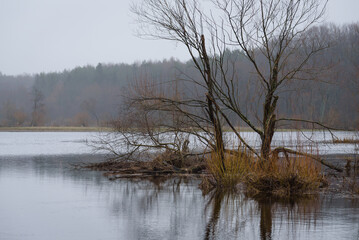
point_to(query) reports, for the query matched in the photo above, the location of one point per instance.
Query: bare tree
(38, 109)
(90, 107)
(275, 31)
(271, 34)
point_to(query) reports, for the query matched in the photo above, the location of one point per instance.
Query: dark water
(45, 198)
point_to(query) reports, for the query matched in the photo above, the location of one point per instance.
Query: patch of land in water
(344, 184)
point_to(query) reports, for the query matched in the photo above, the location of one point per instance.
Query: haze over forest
(94, 95)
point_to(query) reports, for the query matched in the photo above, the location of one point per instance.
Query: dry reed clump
(236, 167)
(282, 177)
(287, 177)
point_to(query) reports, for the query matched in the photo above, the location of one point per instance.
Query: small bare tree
(38, 108)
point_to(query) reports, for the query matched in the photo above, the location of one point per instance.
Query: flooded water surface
(42, 196)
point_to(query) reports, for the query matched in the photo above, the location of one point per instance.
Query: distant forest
(95, 95)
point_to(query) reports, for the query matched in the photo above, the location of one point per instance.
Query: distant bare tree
(38, 109)
(90, 107)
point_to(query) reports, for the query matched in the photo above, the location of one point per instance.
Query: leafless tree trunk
(38, 109)
(212, 108)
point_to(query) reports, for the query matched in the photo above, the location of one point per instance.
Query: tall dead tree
(271, 34)
(182, 21)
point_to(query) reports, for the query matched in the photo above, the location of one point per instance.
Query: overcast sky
(53, 35)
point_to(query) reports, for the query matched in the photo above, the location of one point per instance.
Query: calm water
(43, 197)
(64, 143)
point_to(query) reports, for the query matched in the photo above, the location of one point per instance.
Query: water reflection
(235, 216)
(216, 201)
(242, 214)
(46, 198)
(292, 212)
(266, 220)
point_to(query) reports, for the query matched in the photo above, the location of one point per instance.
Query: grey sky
(53, 35)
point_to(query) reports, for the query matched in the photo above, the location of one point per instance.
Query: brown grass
(346, 140)
(236, 168)
(283, 177)
(294, 176)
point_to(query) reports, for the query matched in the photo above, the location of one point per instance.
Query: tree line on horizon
(95, 95)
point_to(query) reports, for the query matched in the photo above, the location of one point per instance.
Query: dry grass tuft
(236, 165)
(285, 177)
(282, 177)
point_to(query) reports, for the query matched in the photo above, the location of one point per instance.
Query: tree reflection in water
(240, 214)
(266, 220)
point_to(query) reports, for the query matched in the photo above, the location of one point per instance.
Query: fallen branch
(287, 150)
